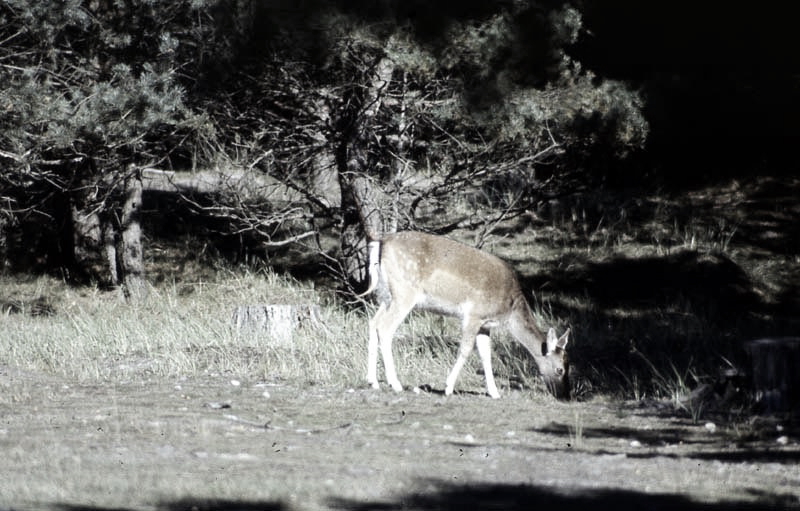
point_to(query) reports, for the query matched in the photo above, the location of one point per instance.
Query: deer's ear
(563, 340)
(556, 343)
(552, 340)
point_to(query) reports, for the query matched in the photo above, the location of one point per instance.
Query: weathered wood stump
(280, 321)
(776, 373)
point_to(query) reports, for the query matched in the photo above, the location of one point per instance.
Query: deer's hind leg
(372, 347)
(484, 343)
(382, 329)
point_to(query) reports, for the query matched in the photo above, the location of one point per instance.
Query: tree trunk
(361, 202)
(4, 262)
(130, 252)
(110, 248)
(361, 215)
(86, 238)
(323, 179)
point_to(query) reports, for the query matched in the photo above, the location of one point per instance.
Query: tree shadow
(749, 456)
(510, 497)
(759, 218)
(710, 282)
(441, 495)
(192, 504)
(772, 217)
(79, 507)
(647, 437)
(708, 448)
(668, 318)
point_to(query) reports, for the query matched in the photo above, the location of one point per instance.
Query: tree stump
(280, 321)
(776, 373)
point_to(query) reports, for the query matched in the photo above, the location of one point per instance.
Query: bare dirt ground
(218, 443)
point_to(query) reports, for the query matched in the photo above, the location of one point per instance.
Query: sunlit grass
(179, 330)
(186, 330)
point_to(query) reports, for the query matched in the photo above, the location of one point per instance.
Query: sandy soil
(221, 444)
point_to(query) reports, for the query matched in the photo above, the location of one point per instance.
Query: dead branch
(287, 241)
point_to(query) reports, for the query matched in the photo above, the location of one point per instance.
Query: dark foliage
(720, 84)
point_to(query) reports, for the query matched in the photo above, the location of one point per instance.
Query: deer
(413, 270)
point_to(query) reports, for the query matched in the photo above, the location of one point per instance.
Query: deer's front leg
(467, 343)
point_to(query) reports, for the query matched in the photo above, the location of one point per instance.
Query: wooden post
(776, 373)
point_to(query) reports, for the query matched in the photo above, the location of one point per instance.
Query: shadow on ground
(716, 448)
(708, 284)
(449, 496)
(647, 437)
(193, 505)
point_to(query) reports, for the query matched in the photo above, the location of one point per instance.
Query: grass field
(166, 405)
(186, 330)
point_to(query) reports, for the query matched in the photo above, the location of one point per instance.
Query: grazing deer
(412, 269)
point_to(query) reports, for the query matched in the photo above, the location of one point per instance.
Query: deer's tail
(373, 267)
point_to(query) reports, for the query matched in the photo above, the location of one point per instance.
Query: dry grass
(185, 330)
(180, 329)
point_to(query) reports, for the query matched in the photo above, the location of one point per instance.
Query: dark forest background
(307, 121)
(720, 83)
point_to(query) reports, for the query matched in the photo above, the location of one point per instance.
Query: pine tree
(414, 108)
(90, 96)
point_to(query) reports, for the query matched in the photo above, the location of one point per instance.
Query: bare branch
(287, 241)
(13, 156)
